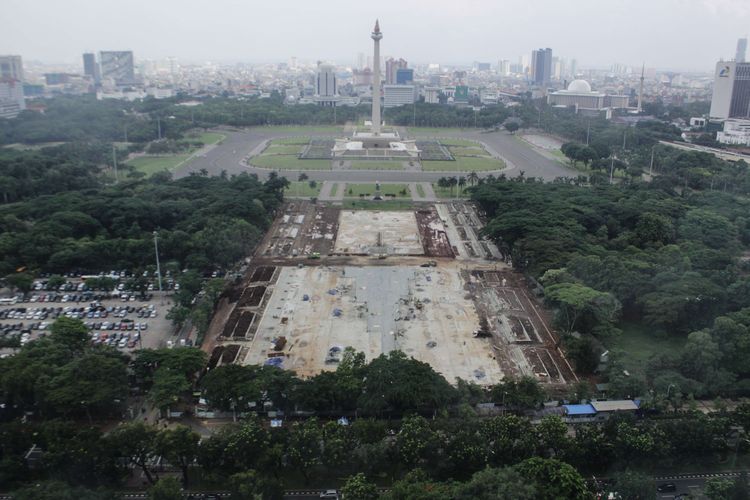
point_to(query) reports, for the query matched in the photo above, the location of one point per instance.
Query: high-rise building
(11, 67)
(573, 68)
(391, 66)
(325, 85)
(741, 50)
(731, 97)
(541, 66)
(404, 76)
(117, 66)
(11, 86)
(503, 67)
(89, 64)
(361, 60)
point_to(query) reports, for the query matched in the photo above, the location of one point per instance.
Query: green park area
(376, 165)
(397, 204)
(366, 190)
(469, 156)
(149, 165)
(639, 343)
(449, 192)
(303, 189)
(459, 142)
(288, 162)
(300, 140)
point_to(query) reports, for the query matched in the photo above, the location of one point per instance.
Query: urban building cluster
(541, 74)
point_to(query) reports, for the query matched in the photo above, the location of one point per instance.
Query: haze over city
(686, 35)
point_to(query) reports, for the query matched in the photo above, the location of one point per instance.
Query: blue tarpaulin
(579, 410)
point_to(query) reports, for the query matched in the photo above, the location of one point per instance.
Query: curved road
(239, 144)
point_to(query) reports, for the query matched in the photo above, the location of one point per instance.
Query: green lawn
(458, 142)
(149, 165)
(476, 150)
(420, 190)
(287, 141)
(377, 165)
(377, 205)
(280, 149)
(640, 343)
(334, 189)
(464, 164)
(447, 193)
(211, 137)
(290, 162)
(297, 188)
(354, 190)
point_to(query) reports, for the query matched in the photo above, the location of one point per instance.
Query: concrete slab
(423, 312)
(374, 232)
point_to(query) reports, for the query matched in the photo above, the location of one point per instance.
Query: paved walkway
(326, 191)
(429, 193)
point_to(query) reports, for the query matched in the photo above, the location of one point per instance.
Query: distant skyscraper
(325, 84)
(11, 67)
(741, 50)
(503, 67)
(89, 64)
(541, 66)
(731, 97)
(391, 66)
(573, 68)
(361, 60)
(11, 86)
(117, 66)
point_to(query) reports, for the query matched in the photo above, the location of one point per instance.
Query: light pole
(612, 170)
(158, 267)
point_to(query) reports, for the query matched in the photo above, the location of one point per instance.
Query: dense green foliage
(647, 254)
(202, 222)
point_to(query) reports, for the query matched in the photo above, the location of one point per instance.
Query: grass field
(297, 188)
(288, 162)
(211, 137)
(420, 190)
(286, 141)
(640, 343)
(458, 142)
(464, 164)
(457, 192)
(401, 204)
(149, 165)
(476, 150)
(334, 189)
(282, 149)
(355, 190)
(377, 165)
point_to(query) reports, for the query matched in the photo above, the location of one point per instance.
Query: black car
(666, 488)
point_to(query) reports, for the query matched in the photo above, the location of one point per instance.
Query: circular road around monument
(239, 144)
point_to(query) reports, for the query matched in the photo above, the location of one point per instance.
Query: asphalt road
(239, 144)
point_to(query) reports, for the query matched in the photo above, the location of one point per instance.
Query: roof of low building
(586, 409)
(615, 405)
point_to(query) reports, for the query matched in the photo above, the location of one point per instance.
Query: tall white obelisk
(376, 121)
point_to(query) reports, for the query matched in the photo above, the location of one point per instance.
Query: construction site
(423, 281)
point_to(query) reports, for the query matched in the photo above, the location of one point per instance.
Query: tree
(584, 353)
(304, 449)
(634, 485)
(167, 387)
(59, 490)
(500, 484)
(583, 308)
(179, 446)
(69, 332)
(167, 488)
(473, 177)
(302, 177)
(135, 442)
(20, 281)
(554, 479)
(251, 485)
(511, 126)
(357, 487)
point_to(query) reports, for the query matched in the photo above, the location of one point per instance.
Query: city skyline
(436, 32)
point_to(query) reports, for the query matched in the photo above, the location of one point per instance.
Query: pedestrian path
(332, 191)
(422, 193)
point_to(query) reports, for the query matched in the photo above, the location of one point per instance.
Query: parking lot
(120, 319)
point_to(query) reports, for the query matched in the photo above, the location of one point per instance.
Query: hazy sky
(675, 34)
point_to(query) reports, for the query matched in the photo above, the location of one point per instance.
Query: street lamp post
(158, 267)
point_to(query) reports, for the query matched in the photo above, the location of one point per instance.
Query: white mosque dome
(579, 86)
